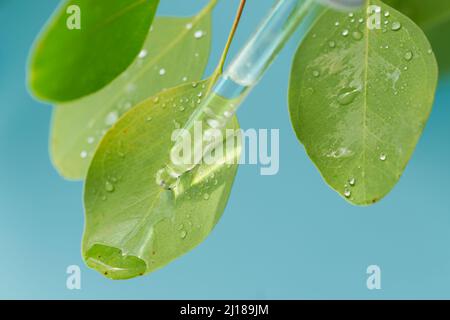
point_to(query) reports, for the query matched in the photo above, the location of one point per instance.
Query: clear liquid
(215, 112)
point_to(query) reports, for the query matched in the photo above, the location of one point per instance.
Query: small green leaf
(171, 55)
(67, 63)
(359, 99)
(134, 226)
(433, 16)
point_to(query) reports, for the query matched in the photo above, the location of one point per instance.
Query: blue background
(286, 236)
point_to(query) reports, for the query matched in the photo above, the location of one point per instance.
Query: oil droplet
(408, 56)
(162, 71)
(396, 26)
(347, 96)
(357, 35)
(142, 54)
(206, 196)
(83, 154)
(109, 187)
(383, 157)
(332, 44)
(198, 34)
(345, 33)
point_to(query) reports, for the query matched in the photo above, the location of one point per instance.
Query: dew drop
(387, 14)
(347, 96)
(111, 118)
(357, 35)
(162, 71)
(383, 157)
(347, 193)
(345, 33)
(198, 34)
(396, 26)
(352, 182)
(109, 187)
(142, 54)
(408, 56)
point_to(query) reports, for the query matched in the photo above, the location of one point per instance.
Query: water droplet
(383, 157)
(316, 73)
(206, 196)
(357, 35)
(142, 54)
(430, 51)
(387, 14)
(83, 154)
(90, 140)
(408, 56)
(345, 33)
(361, 20)
(396, 26)
(352, 182)
(332, 44)
(183, 234)
(176, 124)
(351, 14)
(198, 34)
(184, 79)
(347, 96)
(337, 23)
(189, 26)
(347, 193)
(109, 187)
(194, 85)
(162, 71)
(111, 118)
(200, 94)
(149, 119)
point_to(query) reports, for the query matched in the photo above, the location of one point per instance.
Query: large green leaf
(433, 16)
(134, 226)
(172, 55)
(359, 99)
(67, 64)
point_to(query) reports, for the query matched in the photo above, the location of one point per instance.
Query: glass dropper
(243, 74)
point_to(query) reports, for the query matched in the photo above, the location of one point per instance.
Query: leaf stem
(237, 19)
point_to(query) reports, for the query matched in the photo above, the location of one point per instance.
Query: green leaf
(172, 47)
(67, 64)
(134, 226)
(433, 16)
(359, 99)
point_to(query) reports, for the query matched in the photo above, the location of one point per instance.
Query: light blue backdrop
(287, 236)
